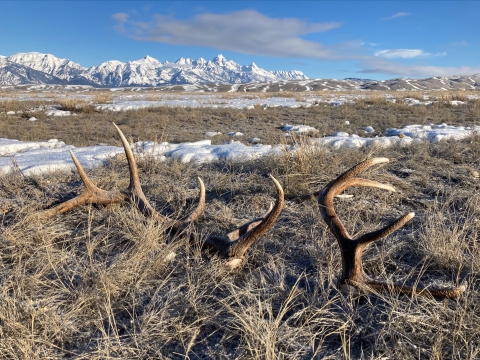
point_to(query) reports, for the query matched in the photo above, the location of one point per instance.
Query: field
(105, 282)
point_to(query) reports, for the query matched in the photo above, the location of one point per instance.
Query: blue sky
(323, 39)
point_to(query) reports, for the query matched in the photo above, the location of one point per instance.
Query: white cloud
(246, 31)
(251, 32)
(405, 54)
(381, 66)
(397, 15)
(120, 17)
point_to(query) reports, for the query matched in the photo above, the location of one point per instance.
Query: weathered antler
(351, 249)
(232, 246)
(134, 193)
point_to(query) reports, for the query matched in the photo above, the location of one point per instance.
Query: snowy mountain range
(38, 68)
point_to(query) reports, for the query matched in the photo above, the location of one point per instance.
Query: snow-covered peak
(184, 61)
(219, 59)
(148, 60)
(107, 66)
(43, 62)
(112, 62)
(33, 57)
(147, 71)
(200, 61)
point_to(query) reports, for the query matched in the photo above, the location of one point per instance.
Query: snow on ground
(55, 112)
(36, 157)
(299, 129)
(433, 133)
(212, 133)
(235, 133)
(122, 102)
(415, 102)
(211, 101)
(344, 140)
(42, 157)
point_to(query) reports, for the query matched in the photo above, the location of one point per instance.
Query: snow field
(122, 102)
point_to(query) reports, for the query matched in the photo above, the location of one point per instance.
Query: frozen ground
(42, 157)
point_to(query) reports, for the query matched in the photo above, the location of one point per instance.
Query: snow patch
(41, 157)
(299, 129)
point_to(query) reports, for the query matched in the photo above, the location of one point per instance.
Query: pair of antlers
(233, 245)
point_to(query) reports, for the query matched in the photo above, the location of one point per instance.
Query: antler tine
(352, 249)
(201, 204)
(450, 293)
(136, 193)
(354, 171)
(385, 231)
(233, 245)
(245, 241)
(135, 189)
(90, 195)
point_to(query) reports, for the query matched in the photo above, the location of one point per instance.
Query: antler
(351, 249)
(134, 193)
(233, 245)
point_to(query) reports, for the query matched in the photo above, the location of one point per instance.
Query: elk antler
(134, 193)
(351, 249)
(233, 245)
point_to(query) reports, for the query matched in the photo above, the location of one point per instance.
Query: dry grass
(102, 97)
(91, 127)
(100, 282)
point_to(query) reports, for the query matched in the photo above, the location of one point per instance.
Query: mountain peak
(183, 61)
(150, 59)
(147, 60)
(219, 59)
(146, 71)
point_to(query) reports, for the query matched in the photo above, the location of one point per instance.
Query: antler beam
(352, 249)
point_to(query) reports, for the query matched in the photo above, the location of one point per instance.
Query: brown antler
(351, 249)
(134, 193)
(233, 245)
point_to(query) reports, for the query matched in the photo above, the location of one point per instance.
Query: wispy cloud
(299, 63)
(120, 17)
(251, 32)
(406, 54)
(246, 31)
(382, 66)
(397, 15)
(461, 43)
